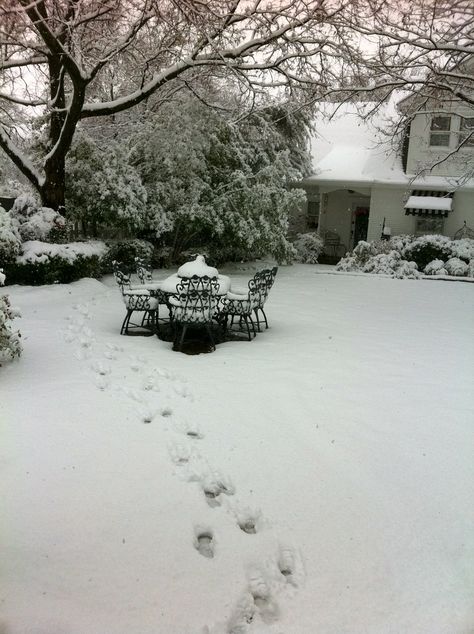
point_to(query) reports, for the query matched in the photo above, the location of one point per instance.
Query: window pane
(437, 138)
(467, 123)
(441, 123)
(427, 226)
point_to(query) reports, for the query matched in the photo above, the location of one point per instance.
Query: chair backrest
(264, 281)
(143, 271)
(122, 278)
(196, 299)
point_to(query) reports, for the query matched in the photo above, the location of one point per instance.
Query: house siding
(389, 203)
(421, 155)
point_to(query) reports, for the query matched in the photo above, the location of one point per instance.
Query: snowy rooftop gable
(350, 146)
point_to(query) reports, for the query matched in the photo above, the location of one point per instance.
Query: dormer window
(440, 131)
(466, 132)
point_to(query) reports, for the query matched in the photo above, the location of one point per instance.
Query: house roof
(351, 147)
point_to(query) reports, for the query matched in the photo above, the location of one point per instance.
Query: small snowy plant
(10, 345)
(35, 222)
(10, 240)
(309, 247)
(436, 267)
(455, 266)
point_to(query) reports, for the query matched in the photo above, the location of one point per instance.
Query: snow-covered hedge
(10, 240)
(46, 263)
(309, 247)
(10, 345)
(411, 256)
(125, 251)
(37, 223)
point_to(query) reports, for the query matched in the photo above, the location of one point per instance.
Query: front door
(361, 224)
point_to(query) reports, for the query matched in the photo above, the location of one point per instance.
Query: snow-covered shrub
(436, 267)
(456, 266)
(425, 249)
(10, 345)
(309, 247)
(392, 264)
(463, 249)
(125, 251)
(46, 263)
(10, 240)
(37, 223)
(103, 187)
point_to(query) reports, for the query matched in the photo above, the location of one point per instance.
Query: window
(440, 131)
(313, 213)
(427, 226)
(466, 132)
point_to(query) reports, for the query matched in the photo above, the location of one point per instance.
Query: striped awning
(431, 203)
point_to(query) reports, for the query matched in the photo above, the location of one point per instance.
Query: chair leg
(181, 339)
(126, 321)
(255, 310)
(253, 326)
(265, 317)
(208, 328)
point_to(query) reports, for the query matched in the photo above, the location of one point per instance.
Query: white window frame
(464, 131)
(436, 133)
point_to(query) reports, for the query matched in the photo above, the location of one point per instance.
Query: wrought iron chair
(136, 300)
(195, 305)
(264, 280)
(241, 306)
(144, 274)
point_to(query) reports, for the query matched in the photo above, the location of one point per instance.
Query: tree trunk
(54, 188)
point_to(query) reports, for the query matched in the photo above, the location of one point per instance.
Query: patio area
(317, 479)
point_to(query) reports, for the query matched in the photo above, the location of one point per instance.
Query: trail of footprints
(263, 583)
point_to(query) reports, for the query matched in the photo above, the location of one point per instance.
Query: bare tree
(63, 61)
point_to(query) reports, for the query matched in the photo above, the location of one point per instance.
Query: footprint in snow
(146, 415)
(259, 588)
(180, 454)
(248, 521)
(204, 542)
(290, 565)
(103, 369)
(213, 486)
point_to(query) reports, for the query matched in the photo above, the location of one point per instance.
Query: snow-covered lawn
(343, 434)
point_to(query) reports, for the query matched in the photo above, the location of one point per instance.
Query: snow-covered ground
(343, 436)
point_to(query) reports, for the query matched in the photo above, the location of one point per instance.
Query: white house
(366, 183)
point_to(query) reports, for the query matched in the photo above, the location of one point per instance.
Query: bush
(425, 249)
(37, 223)
(455, 266)
(125, 251)
(10, 240)
(44, 263)
(436, 267)
(309, 247)
(10, 345)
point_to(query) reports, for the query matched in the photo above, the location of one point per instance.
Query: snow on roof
(349, 148)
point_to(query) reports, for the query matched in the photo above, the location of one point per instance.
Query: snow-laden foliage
(455, 266)
(125, 252)
(10, 345)
(436, 267)
(46, 263)
(35, 222)
(408, 256)
(309, 247)
(10, 239)
(378, 258)
(102, 186)
(218, 186)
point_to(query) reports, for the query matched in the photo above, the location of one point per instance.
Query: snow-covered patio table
(195, 267)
